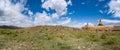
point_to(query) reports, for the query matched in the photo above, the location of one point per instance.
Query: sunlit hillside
(58, 38)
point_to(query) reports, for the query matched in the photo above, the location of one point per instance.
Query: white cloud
(75, 25)
(114, 7)
(41, 18)
(111, 22)
(60, 6)
(64, 21)
(30, 12)
(68, 22)
(69, 2)
(55, 16)
(101, 11)
(10, 14)
(42, 0)
(71, 12)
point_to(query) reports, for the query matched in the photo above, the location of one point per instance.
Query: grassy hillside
(58, 38)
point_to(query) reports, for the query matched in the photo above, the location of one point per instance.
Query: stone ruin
(101, 27)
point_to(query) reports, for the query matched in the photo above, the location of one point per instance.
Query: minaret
(100, 23)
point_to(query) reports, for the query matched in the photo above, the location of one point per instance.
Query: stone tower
(100, 23)
(87, 25)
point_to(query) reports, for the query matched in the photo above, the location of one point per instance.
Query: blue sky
(73, 13)
(80, 12)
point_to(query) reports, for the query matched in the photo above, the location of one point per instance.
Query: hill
(57, 38)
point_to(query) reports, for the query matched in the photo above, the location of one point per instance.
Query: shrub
(47, 37)
(63, 46)
(7, 32)
(1, 44)
(103, 36)
(109, 41)
(93, 38)
(22, 31)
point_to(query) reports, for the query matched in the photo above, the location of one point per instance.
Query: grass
(58, 38)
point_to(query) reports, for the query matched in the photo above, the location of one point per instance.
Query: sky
(72, 13)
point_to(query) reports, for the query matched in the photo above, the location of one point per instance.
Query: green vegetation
(58, 38)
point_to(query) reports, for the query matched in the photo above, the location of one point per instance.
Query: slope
(57, 38)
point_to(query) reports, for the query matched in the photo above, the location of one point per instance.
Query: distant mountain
(9, 27)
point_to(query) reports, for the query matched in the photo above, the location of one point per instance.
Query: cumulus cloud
(11, 13)
(69, 2)
(111, 22)
(30, 12)
(60, 6)
(41, 18)
(114, 8)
